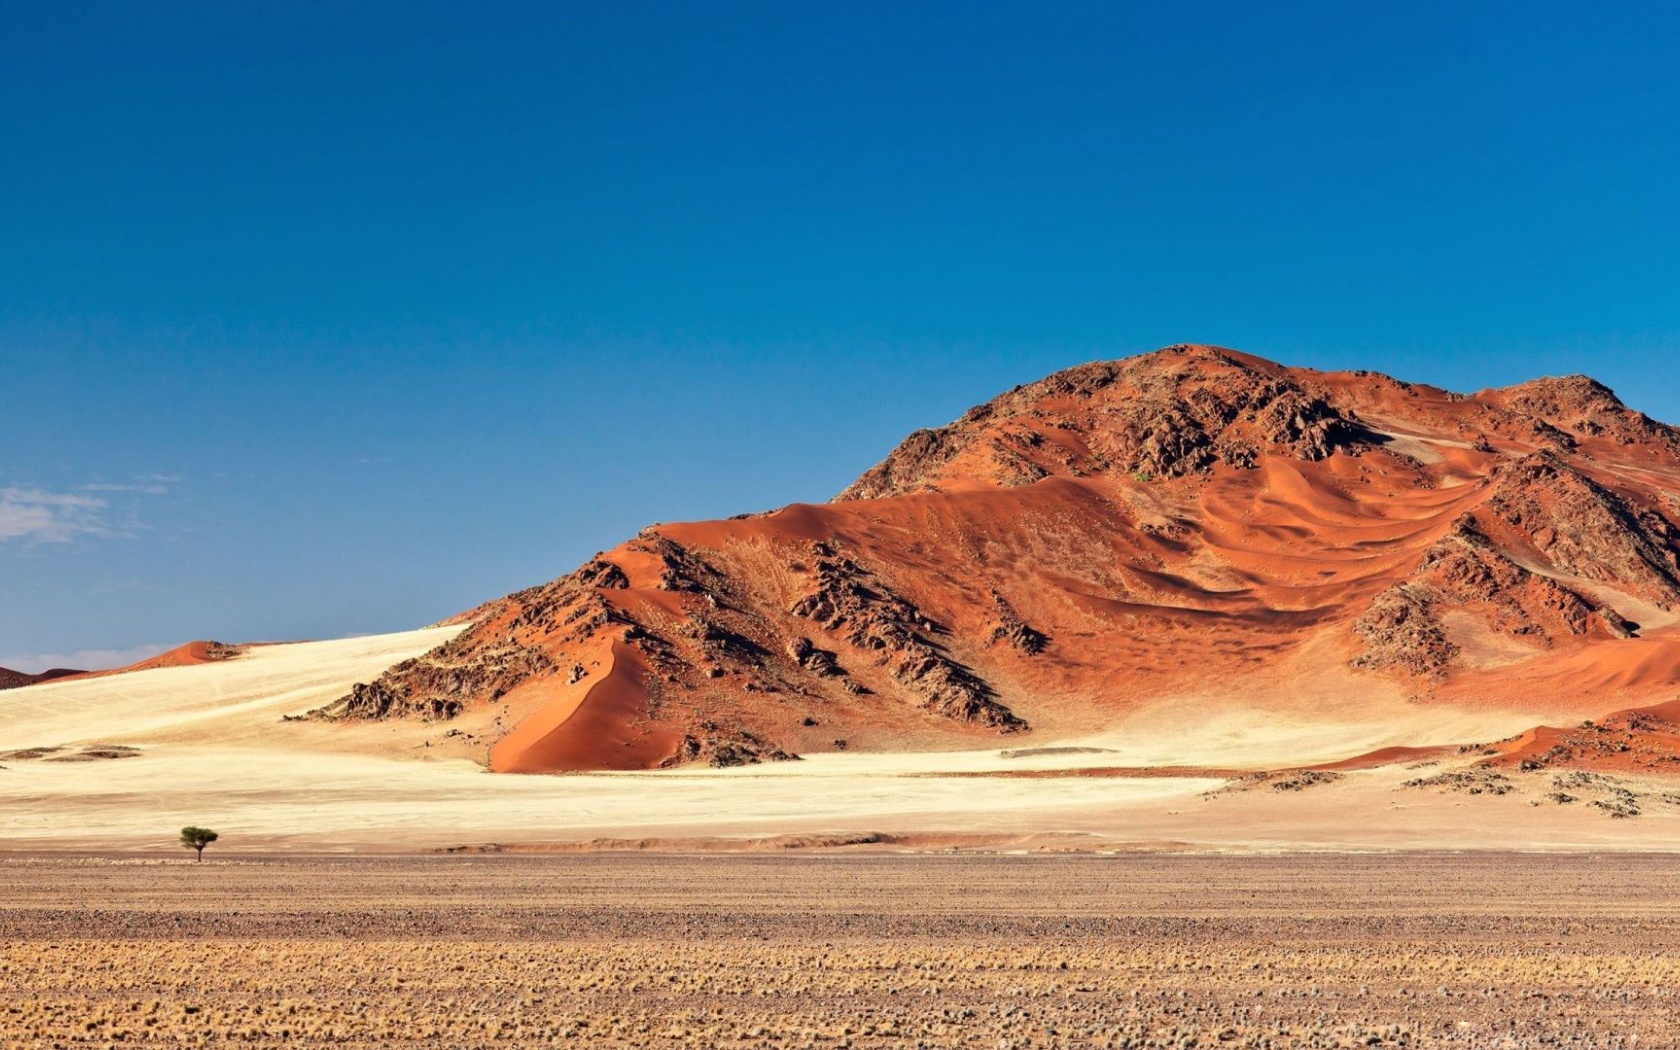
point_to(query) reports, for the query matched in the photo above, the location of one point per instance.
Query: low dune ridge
(186, 655)
(1183, 538)
(196, 652)
(10, 679)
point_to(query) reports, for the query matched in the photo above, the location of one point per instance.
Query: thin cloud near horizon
(80, 659)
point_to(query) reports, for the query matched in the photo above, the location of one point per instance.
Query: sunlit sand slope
(123, 761)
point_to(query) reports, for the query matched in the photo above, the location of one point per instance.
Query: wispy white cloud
(49, 517)
(150, 488)
(80, 659)
(148, 484)
(33, 514)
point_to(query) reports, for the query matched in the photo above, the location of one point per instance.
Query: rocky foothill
(10, 679)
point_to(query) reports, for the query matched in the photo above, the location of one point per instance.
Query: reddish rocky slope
(1193, 523)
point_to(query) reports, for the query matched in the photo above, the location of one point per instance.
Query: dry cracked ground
(841, 950)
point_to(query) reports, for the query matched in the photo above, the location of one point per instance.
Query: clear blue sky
(317, 321)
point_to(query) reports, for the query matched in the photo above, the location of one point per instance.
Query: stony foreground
(841, 950)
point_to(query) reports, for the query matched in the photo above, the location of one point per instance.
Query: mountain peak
(1175, 411)
(1571, 393)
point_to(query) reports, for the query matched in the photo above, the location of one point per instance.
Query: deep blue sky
(316, 322)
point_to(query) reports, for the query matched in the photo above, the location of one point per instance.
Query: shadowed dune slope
(1185, 537)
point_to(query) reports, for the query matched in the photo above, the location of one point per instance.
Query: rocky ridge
(1169, 414)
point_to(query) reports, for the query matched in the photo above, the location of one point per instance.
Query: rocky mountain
(1192, 524)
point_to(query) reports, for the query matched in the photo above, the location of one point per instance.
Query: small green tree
(197, 838)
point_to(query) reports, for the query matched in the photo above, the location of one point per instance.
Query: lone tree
(197, 838)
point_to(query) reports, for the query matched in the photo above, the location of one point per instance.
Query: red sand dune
(199, 652)
(1191, 525)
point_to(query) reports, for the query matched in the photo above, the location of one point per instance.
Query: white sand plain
(214, 750)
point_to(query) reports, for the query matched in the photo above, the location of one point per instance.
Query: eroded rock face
(510, 641)
(1525, 558)
(1014, 631)
(1466, 568)
(820, 662)
(440, 684)
(723, 750)
(1402, 630)
(1584, 529)
(851, 602)
(1468, 572)
(911, 463)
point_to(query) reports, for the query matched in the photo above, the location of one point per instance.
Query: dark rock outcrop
(851, 602)
(438, 685)
(1010, 628)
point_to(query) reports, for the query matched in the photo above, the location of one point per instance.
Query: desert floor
(124, 761)
(840, 950)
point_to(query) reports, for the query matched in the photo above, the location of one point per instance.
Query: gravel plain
(841, 949)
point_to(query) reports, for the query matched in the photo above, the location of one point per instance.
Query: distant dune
(10, 679)
(180, 656)
(187, 655)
